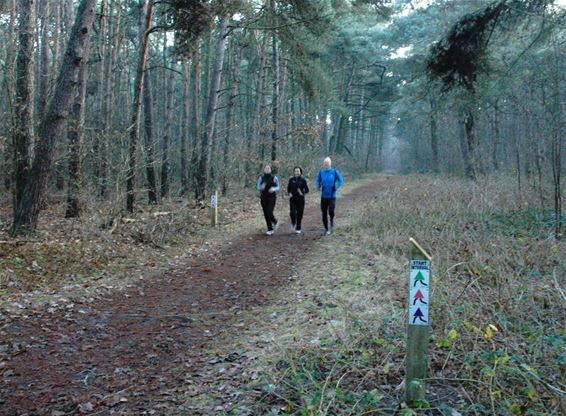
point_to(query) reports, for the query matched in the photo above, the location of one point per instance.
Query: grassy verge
(335, 344)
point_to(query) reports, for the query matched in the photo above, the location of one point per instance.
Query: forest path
(139, 350)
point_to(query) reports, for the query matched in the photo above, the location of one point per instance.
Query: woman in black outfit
(268, 186)
(297, 188)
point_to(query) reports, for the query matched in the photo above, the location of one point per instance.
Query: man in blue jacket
(328, 181)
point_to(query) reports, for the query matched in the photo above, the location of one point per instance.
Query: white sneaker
(327, 232)
(298, 232)
(269, 233)
(292, 227)
(275, 226)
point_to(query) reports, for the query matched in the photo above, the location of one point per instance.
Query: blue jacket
(329, 180)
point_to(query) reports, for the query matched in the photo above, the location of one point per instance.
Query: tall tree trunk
(185, 128)
(23, 131)
(50, 128)
(101, 80)
(275, 96)
(136, 104)
(203, 173)
(557, 135)
(50, 81)
(496, 136)
(518, 162)
(75, 137)
(252, 138)
(149, 141)
(371, 145)
(69, 14)
(380, 144)
(195, 120)
(167, 131)
(44, 75)
(469, 145)
(56, 43)
(109, 95)
(10, 88)
(340, 139)
(229, 113)
(538, 157)
(434, 135)
(283, 112)
(206, 65)
(358, 125)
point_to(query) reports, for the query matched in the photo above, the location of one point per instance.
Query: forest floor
(163, 339)
(160, 314)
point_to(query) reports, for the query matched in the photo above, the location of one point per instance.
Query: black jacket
(297, 184)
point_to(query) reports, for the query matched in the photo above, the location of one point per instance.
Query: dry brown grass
(498, 329)
(107, 249)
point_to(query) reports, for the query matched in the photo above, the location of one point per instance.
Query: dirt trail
(129, 354)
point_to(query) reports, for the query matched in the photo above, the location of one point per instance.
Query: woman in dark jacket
(268, 186)
(297, 188)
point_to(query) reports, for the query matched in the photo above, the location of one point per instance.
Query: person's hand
(290, 195)
(263, 187)
(299, 191)
(271, 190)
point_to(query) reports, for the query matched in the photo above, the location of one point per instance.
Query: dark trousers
(297, 208)
(327, 206)
(268, 205)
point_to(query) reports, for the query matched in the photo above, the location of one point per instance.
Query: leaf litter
(98, 321)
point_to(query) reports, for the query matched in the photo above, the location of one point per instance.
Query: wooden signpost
(418, 325)
(214, 209)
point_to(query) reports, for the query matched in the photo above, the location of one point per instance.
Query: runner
(297, 188)
(328, 181)
(268, 186)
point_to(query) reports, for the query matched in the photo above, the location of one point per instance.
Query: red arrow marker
(419, 296)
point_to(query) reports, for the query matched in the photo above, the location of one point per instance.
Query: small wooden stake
(214, 209)
(418, 325)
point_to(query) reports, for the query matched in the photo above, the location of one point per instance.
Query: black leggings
(297, 207)
(268, 205)
(327, 206)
